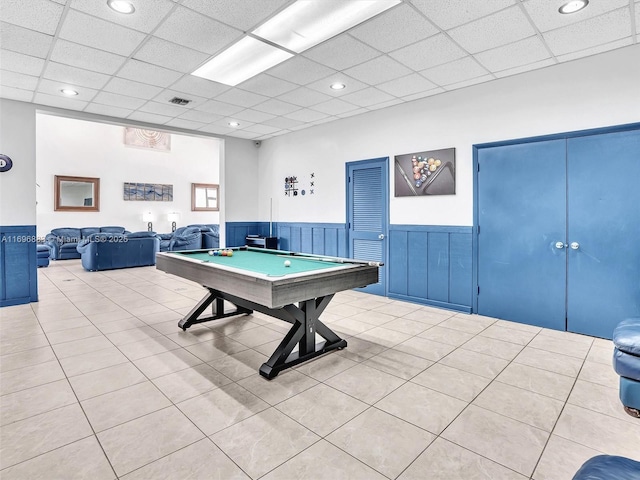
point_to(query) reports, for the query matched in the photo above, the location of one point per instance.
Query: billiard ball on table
(211, 252)
(287, 263)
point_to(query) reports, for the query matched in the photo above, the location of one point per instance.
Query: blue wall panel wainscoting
(431, 265)
(18, 265)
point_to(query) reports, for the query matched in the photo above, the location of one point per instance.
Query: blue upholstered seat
(42, 255)
(608, 467)
(626, 363)
(64, 241)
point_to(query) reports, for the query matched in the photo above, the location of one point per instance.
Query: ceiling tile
(41, 16)
(505, 26)
(276, 107)
(219, 108)
(282, 122)
(304, 97)
(60, 102)
(352, 85)
(130, 88)
(169, 55)
(367, 97)
(306, 115)
(216, 129)
(18, 62)
(75, 76)
(108, 110)
(454, 72)
(190, 29)
(121, 101)
(236, 96)
(244, 134)
(91, 31)
(202, 87)
(166, 109)
(300, 70)
(186, 124)
(428, 53)
(401, 87)
(394, 29)
(637, 10)
(525, 68)
(149, 13)
(334, 107)
(18, 80)
(52, 87)
(86, 57)
(590, 33)
(595, 50)
(149, 118)
(148, 73)
(253, 116)
(380, 106)
(198, 116)
(224, 122)
(451, 13)
(242, 14)
(262, 129)
(267, 85)
(16, 94)
(342, 52)
(352, 113)
(545, 15)
(379, 70)
(430, 93)
(469, 82)
(168, 94)
(22, 40)
(515, 54)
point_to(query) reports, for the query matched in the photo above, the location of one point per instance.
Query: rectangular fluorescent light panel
(309, 22)
(241, 61)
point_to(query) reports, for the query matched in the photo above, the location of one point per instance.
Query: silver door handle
(560, 245)
(575, 245)
(381, 236)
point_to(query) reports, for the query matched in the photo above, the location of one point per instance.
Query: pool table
(255, 279)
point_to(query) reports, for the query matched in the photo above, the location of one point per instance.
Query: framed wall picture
(141, 138)
(432, 172)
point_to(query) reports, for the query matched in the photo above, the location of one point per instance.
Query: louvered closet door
(367, 207)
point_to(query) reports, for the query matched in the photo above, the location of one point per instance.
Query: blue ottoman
(42, 255)
(626, 362)
(608, 467)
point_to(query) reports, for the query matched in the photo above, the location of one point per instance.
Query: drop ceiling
(130, 66)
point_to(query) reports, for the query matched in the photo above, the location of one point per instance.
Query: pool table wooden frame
(272, 295)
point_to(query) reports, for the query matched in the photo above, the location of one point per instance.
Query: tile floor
(98, 382)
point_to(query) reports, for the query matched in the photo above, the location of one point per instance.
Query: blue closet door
(604, 222)
(521, 216)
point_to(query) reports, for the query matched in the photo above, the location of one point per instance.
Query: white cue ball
(287, 263)
(211, 252)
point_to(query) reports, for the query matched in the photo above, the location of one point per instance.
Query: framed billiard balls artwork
(431, 172)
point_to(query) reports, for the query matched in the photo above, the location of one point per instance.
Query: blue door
(367, 214)
(603, 231)
(521, 205)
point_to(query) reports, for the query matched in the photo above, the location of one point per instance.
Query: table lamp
(173, 217)
(148, 217)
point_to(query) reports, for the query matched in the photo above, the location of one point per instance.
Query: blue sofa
(608, 467)
(626, 363)
(103, 251)
(63, 241)
(191, 237)
(210, 235)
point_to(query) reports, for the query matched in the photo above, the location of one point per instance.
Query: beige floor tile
(444, 460)
(106, 380)
(200, 460)
(560, 345)
(600, 354)
(166, 363)
(491, 346)
(92, 361)
(73, 334)
(472, 324)
(513, 335)
(190, 382)
(36, 400)
(600, 374)
(221, 408)
(26, 358)
(365, 383)
(326, 366)
(422, 407)
(476, 363)
(539, 381)
(285, 385)
(264, 441)
(561, 459)
(508, 442)
(120, 325)
(344, 310)
(374, 318)
(383, 337)
(215, 348)
(137, 334)
(26, 439)
(427, 349)
(429, 317)
(22, 343)
(405, 325)
(598, 398)
(449, 336)
(322, 409)
(136, 443)
(63, 463)
(31, 376)
(239, 365)
(323, 461)
(194, 335)
(398, 363)
(522, 405)
(64, 324)
(566, 336)
(518, 326)
(359, 350)
(382, 441)
(452, 381)
(81, 347)
(553, 362)
(146, 348)
(256, 336)
(348, 327)
(397, 309)
(120, 406)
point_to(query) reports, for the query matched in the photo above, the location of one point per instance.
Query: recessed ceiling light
(69, 91)
(121, 6)
(337, 86)
(573, 6)
(234, 124)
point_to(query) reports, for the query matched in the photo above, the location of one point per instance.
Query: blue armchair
(210, 235)
(184, 238)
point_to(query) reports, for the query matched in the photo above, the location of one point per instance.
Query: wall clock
(5, 163)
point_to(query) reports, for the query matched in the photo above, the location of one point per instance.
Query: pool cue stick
(318, 258)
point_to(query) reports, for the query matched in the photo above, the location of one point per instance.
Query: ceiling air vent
(179, 101)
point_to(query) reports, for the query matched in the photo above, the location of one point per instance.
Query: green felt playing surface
(265, 262)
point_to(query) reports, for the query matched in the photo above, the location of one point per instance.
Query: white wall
(592, 92)
(67, 146)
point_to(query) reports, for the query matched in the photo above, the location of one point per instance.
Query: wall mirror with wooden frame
(204, 197)
(76, 194)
